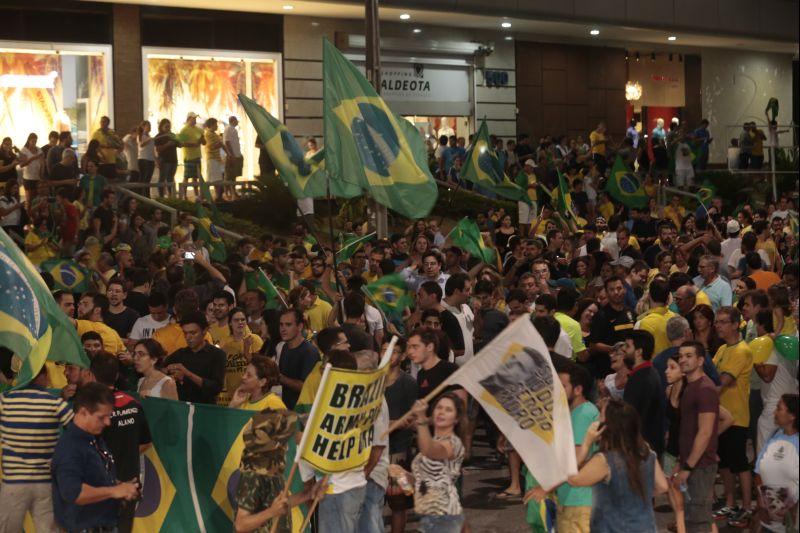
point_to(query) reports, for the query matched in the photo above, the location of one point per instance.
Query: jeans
(166, 174)
(339, 513)
(449, 523)
(700, 489)
(146, 168)
(371, 518)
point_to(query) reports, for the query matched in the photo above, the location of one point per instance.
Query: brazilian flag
(258, 281)
(68, 274)
(368, 145)
(390, 293)
(625, 187)
(467, 236)
(352, 244)
(564, 199)
(483, 167)
(305, 177)
(191, 473)
(31, 323)
(207, 232)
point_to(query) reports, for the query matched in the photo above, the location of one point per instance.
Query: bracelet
(422, 422)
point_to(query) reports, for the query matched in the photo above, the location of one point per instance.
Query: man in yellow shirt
(110, 145)
(734, 361)
(655, 319)
(171, 336)
(597, 139)
(220, 330)
(91, 308)
(191, 138)
(566, 303)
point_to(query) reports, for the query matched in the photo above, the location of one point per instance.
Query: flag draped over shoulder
(32, 325)
(625, 187)
(340, 429)
(67, 274)
(467, 236)
(483, 167)
(305, 177)
(352, 245)
(191, 472)
(390, 293)
(514, 380)
(367, 145)
(207, 232)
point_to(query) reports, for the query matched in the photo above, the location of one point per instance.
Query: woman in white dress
(148, 355)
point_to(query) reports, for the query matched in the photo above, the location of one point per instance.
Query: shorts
(527, 213)
(214, 170)
(191, 168)
(233, 168)
(697, 505)
(732, 450)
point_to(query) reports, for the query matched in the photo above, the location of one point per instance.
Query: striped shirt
(30, 421)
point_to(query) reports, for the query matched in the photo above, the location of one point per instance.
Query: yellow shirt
(606, 210)
(309, 390)
(701, 298)
(212, 138)
(270, 401)
(772, 251)
(789, 325)
(598, 147)
(55, 373)
(737, 362)
(107, 139)
(42, 253)
(171, 338)
(654, 321)
(675, 215)
(573, 329)
(191, 134)
(317, 316)
(112, 343)
(235, 365)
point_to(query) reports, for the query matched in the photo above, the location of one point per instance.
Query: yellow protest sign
(340, 428)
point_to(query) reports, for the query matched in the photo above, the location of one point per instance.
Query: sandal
(505, 495)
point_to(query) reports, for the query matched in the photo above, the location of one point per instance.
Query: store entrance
(432, 128)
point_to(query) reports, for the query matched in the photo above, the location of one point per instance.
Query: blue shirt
(82, 458)
(719, 293)
(704, 135)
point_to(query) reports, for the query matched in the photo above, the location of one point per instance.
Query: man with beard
(664, 244)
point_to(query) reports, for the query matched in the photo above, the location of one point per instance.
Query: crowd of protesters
(649, 315)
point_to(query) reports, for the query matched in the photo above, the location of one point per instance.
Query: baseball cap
(530, 163)
(733, 227)
(122, 247)
(625, 261)
(191, 115)
(561, 283)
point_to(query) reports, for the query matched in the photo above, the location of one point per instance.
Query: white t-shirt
(563, 345)
(467, 322)
(728, 247)
(683, 157)
(11, 219)
(609, 244)
(736, 256)
(778, 465)
(373, 319)
(145, 326)
(33, 170)
(131, 148)
(733, 158)
(231, 136)
(380, 474)
(147, 151)
(784, 382)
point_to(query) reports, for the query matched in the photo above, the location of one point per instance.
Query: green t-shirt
(582, 417)
(573, 329)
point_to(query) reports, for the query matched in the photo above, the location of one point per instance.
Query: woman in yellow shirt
(39, 245)
(253, 394)
(238, 351)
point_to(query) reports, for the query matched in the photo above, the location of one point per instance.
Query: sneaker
(741, 519)
(725, 513)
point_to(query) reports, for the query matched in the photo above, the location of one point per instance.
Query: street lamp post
(373, 70)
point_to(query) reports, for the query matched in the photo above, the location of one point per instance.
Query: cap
(600, 221)
(122, 247)
(624, 261)
(530, 163)
(561, 283)
(733, 227)
(191, 115)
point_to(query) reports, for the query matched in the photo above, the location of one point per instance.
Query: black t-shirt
(296, 363)
(106, 217)
(166, 155)
(581, 201)
(209, 364)
(122, 322)
(631, 252)
(128, 430)
(643, 392)
(609, 325)
(138, 302)
(427, 380)
(651, 253)
(452, 329)
(644, 229)
(400, 397)
(60, 172)
(10, 174)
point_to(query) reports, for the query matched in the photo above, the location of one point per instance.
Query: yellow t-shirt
(701, 298)
(270, 401)
(112, 343)
(55, 373)
(191, 134)
(109, 153)
(212, 138)
(171, 338)
(42, 253)
(769, 247)
(235, 365)
(573, 329)
(675, 215)
(736, 361)
(789, 325)
(654, 321)
(606, 210)
(317, 316)
(309, 390)
(594, 138)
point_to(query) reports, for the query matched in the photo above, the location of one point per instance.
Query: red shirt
(646, 364)
(69, 228)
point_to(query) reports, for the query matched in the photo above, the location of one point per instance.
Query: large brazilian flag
(467, 235)
(31, 323)
(368, 145)
(390, 293)
(191, 472)
(483, 167)
(625, 187)
(305, 177)
(67, 274)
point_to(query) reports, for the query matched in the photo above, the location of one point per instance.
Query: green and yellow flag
(467, 236)
(390, 293)
(305, 177)
(67, 274)
(564, 199)
(207, 232)
(625, 187)
(352, 244)
(258, 281)
(368, 145)
(32, 325)
(482, 167)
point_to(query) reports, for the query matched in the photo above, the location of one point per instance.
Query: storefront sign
(422, 83)
(495, 78)
(662, 82)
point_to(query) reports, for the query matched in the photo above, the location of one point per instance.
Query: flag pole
(311, 509)
(277, 291)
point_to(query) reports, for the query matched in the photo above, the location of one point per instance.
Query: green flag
(305, 177)
(706, 192)
(258, 281)
(368, 145)
(32, 325)
(352, 244)
(205, 194)
(564, 199)
(482, 167)
(625, 187)
(390, 293)
(68, 275)
(207, 232)
(466, 235)
(192, 471)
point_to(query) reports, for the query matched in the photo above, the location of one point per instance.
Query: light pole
(373, 69)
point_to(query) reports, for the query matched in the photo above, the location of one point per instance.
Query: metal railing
(125, 191)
